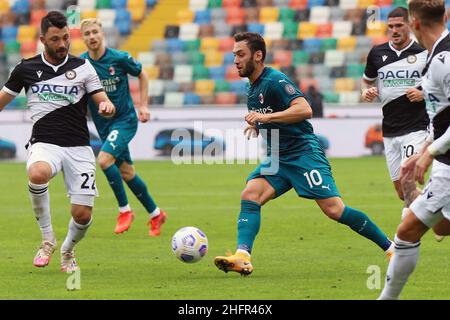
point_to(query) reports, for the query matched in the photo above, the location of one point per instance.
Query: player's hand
(422, 165)
(143, 114)
(251, 132)
(106, 109)
(408, 167)
(368, 95)
(414, 95)
(253, 118)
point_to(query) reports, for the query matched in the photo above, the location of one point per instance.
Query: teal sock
(137, 185)
(248, 224)
(361, 223)
(114, 177)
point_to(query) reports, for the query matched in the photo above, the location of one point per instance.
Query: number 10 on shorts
(314, 178)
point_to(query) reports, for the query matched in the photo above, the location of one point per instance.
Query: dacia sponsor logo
(394, 83)
(48, 92)
(399, 74)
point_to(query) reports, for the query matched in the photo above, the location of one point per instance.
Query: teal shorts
(309, 174)
(116, 139)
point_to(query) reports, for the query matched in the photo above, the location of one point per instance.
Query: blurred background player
(393, 74)
(428, 22)
(113, 67)
(57, 85)
(276, 105)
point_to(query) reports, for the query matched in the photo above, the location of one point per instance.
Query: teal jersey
(273, 92)
(113, 69)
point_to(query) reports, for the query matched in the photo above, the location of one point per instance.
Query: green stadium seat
(286, 14)
(215, 4)
(355, 70)
(103, 4)
(200, 72)
(328, 44)
(196, 57)
(11, 47)
(331, 97)
(290, 30)
(300, 57)
(222, 86)
(192, 45)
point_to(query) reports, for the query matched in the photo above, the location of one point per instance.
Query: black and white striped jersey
(436, 87)
(395, 72)
(57, 98)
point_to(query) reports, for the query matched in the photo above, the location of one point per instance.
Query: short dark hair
(399, 12)
(429, 12)
(53, 19)
(255, 42)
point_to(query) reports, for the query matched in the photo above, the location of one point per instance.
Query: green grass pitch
(298, 254)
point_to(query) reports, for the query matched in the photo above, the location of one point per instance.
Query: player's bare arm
(5, 98)
(298, 111)
(414, 95)
(368, 90)
(143, 109)
(105, 107)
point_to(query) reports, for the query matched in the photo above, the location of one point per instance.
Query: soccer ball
(189, 244)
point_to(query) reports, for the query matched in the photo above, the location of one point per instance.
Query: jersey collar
(55, 68)
(443, 35)
(260, 76)
(399, 52)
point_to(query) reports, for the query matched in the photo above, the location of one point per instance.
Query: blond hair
(429, 12)
(90, 21)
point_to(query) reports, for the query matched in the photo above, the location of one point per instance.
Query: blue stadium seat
(175, 45)
(21, 7)
(256, 27)
(202, 17)
(124, 27)
(311, 45)
(123, 15)
(217, 73)
(118, 4)
(228, 58)
(151, 3)
(239, 87)
(191, 98)
(9, 33)
(315, 3)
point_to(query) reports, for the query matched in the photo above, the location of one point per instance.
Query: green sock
(137, 185)
(114, 178)
(360, 223)
(248, 224)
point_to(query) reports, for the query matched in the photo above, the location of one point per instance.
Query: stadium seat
(346, 43)
(355, 70)
(173, 99)
(349, 97)
(334, 58)
(86, 5)
(298, 4)
(226, 98)
(188, 31)
(286, 14)
(159, 46)
(221, 86)
(302, 15)
(204, 87)
(26, 33)
(348, 4)
(376, 29)
(155, 87)
(231, 73)
(311, 45)
(256, 27)
(251, 15)
(283, 58)
(222, 30)
(196, 57)
(208, 44)
(342, 29)
(36, 17)
(268, 14)
(103, 4)
(324, 30)
(175, 45)
(202, 17)
(337, 14)
(239, 87)
(152, 72)
(196, 5)
(107, 16)
(320, 14)
(235, 16)
(325, 83)
(338, 72)
(185, 16)
(218, 14)
(306, 30)
(231, 3)
(115, 4)
(226, 44)
(300, 57)
(363, 4)
(228, 58)
(171, 31)
(192, 45)
(9, 33)
(28, 48)
(200, 72)
(87, 14)
(320, 71)
(191, 98)
(328, 44)
(217, 73)
(214, 3)
(344, 85)
(290, 30)
(273, 30)
(180, 58)
(305, 83)
(213, 58)
(171, 86)
(316, 58)
(281, 3)
(146, 58)
(331, 97)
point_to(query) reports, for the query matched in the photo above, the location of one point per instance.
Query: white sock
(243, 251)
(125, 208)
(40, 201)
(401, 266)
(74, 235)
(404, 211)
(155, 213)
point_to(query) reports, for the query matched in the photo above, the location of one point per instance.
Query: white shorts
(434, 203)
(398, 149)
(77, 165)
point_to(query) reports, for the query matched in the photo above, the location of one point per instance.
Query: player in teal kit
(113, 67)
(278, 111)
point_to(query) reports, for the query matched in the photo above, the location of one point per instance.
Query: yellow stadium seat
(376, 29)
(364, 4)
(26, 33)
(346, 43)
(185, 16)
(204, 86)
(306, 30)
(152, 72)
(268, 14)
(344, 85)
(137, 14)
(131, 4)
(213, 58)
(208, 44)
(4, 6)
(88, 14)
(77, 47)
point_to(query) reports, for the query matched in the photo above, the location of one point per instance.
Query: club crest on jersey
(289, 89)
(261, 98)
(71, 74)
(411, 59)
(112, 71)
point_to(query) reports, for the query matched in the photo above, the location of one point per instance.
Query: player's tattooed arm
(5, 98)
(298, 111)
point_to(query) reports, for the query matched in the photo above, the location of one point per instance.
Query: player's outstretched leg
(358, 221)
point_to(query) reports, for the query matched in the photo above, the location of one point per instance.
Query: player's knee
(333, 212)
(82, 215)
(127, 174)
(251, 195)
(38, 176)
